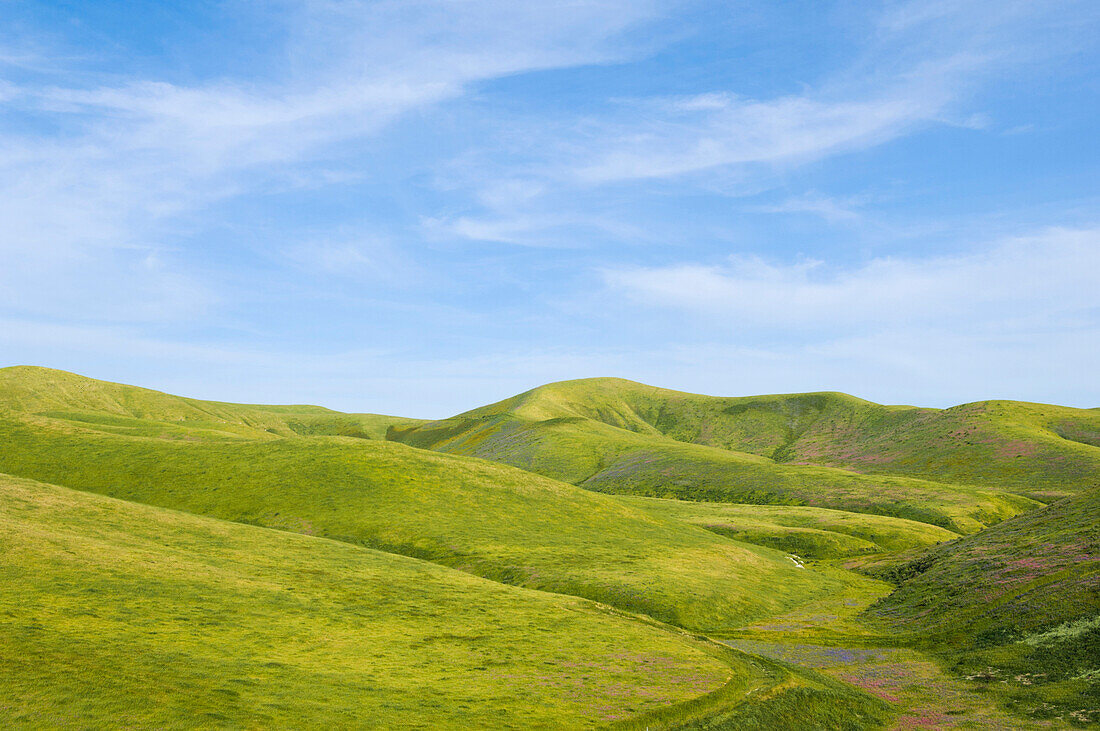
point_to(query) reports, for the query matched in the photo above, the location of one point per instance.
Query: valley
(588, 554)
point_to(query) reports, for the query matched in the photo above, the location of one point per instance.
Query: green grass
(609, 459)
(117, 408)
(929, 697)
(593, 524)
(1014, 608)
(116, 615)
(712, 475)
(615, 436)
(810, 533)
(1034, 449)
(481, 517)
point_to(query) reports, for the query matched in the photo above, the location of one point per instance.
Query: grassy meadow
(608, 446)
(588, 554)
(1015, 608)
(488, 519)
(124, 615)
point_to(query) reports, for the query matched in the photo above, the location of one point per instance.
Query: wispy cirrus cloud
(702, 133)
(919, 64)
(116, 169)
(833, 210)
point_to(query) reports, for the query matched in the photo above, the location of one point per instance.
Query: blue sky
(420, 206)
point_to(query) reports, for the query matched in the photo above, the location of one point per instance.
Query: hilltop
(1035, 450)
(521, 541)
(87, 403)
(489, 519)
(617, 436)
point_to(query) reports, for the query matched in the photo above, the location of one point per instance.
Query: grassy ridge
(117, 408)
(1034, 449)
(482, 517)
(122, 615)
(1016, 607)
(688, 472)
(1013, 607)
(613, 459)
(811, 533)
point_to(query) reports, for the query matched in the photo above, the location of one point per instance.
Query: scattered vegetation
(1015, 608)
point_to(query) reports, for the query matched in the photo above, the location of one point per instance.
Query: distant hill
(1036, 450)
(489, 519)
(617, 436)
(121, 409)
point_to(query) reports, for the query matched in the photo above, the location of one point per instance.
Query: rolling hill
(123, 615)
(488, 519)
(620, 437)
(120, 409)
(1036, 450)
(544, 561)
(809, 533)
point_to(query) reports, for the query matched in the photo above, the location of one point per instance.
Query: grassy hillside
(86, 403)
(485, 518)
(1016, 607)
(1038, 450)
(632, 457)
(119, 615)
(809, 533)
(708, 474)
(662, 507)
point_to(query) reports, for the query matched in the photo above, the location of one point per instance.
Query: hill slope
(1034, 449)
(124, 615)
(485, 518)
(1016, 606)
(117, 408)
(117, 614)
(606, 435)
(810, 533)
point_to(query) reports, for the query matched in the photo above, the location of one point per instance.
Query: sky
(419, 206)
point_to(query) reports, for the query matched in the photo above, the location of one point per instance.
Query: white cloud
(535, 230)
(833, 210)
(686, 137)
(919, 65)
(1041, 279)
(84, 206)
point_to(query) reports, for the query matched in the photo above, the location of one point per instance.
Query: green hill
(117, 408)
(615, 436)
(122, 615)
(489, 519)
(1034, 449)
(312, 575)
(809, 533)
(1016, 607)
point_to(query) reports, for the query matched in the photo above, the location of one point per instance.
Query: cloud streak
(129, 161)
(1043, 280)
(919, 64)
